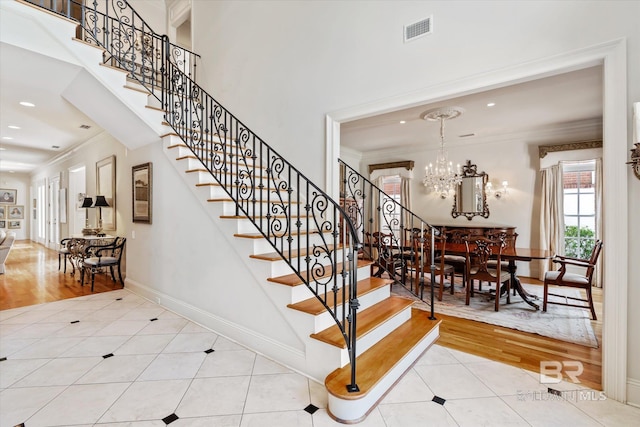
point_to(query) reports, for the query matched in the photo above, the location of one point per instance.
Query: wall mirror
(470, 198)
(106, 186)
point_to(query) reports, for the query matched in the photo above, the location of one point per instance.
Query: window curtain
(598, 274)
(551, 215)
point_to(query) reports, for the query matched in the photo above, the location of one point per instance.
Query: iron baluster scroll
(305, 226)
(372, 211)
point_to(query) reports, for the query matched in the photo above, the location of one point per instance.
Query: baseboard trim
(633, 392)
(290, 357)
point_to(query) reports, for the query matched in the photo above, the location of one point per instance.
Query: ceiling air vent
(85, 127)
(418, 29)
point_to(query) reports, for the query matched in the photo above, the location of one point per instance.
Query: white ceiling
(556, 109)
(53, 122)
(559, 109)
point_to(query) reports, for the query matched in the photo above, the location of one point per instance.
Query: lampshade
(101, 202)
(87, 202)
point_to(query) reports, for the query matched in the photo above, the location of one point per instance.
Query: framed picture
(8, 196)
(3, 212)
(106, 186)
(142, 186)
(15, 212)
(3, 223)
(14, 224)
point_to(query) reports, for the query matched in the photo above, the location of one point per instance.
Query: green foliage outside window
(578, 242)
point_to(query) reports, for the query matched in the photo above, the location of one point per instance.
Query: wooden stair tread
(293, 279)
(275, 256)
(367, 320)
(373, 364)
(314, 307)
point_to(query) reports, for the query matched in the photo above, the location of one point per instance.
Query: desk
(77, 246)
(512, 255)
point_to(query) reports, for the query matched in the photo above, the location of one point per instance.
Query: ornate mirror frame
(470, 198)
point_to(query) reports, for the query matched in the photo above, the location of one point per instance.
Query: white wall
(282, 66)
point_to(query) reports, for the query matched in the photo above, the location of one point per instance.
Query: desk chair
(479, 251)
(98, 256)
(580, 281)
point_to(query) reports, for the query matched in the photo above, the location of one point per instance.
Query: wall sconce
(502, 192)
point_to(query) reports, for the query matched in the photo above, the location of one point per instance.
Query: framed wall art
(15, 212)
(106, 186)
(14, 224)
(142, 186)
(3, 223)
(8, 196)
(3, 212)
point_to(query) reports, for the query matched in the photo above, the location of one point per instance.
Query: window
(579, 199)
(390, 211)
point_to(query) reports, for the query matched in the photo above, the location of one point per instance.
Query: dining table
(512, 255)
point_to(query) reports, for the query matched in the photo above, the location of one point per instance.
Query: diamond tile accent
(311, 408)
(438, 400)
(153, 320)
(118, 299)
(209, 351)
(106, 356)
(3, 359)
(554, 391)
(75, 321)
(170, 418)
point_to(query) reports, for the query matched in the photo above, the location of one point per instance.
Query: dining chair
(574, 280)
(509, 242)
(457, 261)
(479, 251)
(63, 253)
(388, 255)
(101, 256)
(423, 262)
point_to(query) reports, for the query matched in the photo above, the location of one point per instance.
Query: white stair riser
(325, 320)
(301, 292)
(382, 330)
(217, 191)
(262, 245)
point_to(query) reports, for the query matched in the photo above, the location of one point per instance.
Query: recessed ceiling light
(7, 137)
(491, 104)
(14, 127)
(402, 122)
(85, 127)
(27, 104)
(55, 147)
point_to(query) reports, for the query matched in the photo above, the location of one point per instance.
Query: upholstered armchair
(6, 243)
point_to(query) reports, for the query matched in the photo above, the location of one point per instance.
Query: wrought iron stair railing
(373, 211)
(305, 226)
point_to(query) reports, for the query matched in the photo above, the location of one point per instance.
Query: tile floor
(115, 359)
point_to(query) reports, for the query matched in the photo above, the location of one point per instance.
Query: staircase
(356, 336)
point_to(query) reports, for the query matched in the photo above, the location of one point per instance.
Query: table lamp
(101, 202)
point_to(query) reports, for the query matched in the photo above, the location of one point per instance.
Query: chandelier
(442, 177)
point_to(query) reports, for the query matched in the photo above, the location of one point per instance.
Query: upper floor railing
(305, 226)
(129, 42)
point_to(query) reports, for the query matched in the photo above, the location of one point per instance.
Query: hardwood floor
(32, 277)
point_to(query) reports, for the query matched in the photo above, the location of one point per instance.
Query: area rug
(559, 322)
